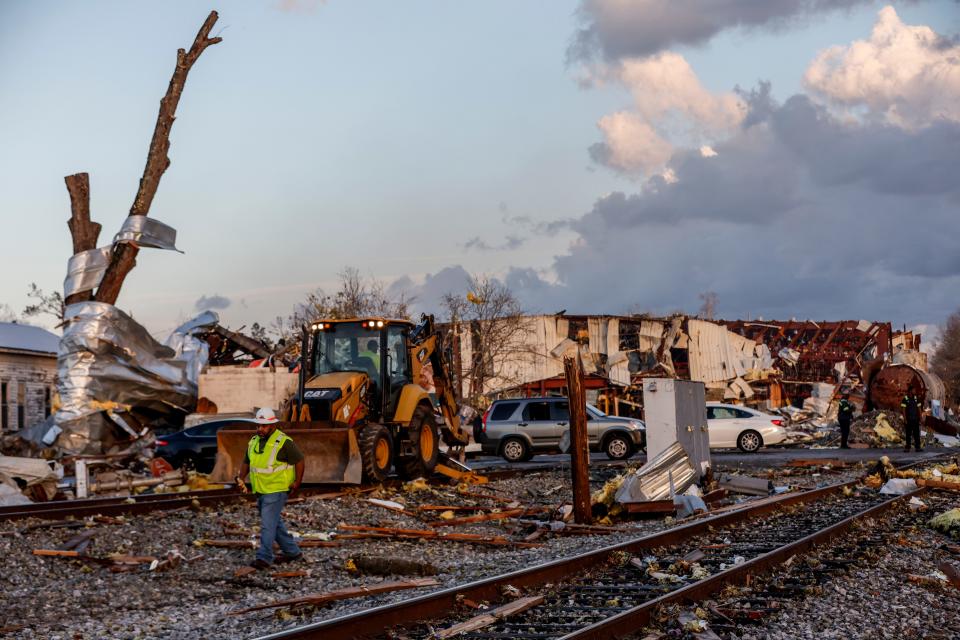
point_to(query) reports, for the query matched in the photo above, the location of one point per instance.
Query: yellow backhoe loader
(360, 407)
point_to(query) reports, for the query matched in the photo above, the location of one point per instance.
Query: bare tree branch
(124, 255)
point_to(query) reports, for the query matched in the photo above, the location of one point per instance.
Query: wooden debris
(79, 542)
(56, 552)
(440, 507)
(938, 484)
(343, 594)
(391, 505)
(117, 558)
(694, 556)
(433, 534)
(950, 570)
(485, 517)
(491, 617)
(650, 506)
(579, 446)
(390, 566)
(300, 573)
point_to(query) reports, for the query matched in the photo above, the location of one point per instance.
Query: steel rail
(439, 604)
(631, 621)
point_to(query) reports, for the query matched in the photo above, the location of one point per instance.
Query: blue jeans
(272, 527)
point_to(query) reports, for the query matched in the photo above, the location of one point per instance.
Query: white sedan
(731, 425)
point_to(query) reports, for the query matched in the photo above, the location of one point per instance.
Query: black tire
(618, 446)
(425, 437)
(515, 450)
(749, 441)
(376, 452)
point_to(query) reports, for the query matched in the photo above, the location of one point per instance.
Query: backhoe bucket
(332, 455)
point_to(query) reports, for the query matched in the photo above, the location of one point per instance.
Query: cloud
(670, 106)
(800, 213)
(215, 301)
(616, 29)
(299, 6)
(428, 293)
(905, 75)
(510, 243)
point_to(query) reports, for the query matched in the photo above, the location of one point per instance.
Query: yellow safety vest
(265, 474)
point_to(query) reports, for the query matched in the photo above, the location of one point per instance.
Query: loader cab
(376, 347)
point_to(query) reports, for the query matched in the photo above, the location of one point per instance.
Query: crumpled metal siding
(106, 357)
(713, 357)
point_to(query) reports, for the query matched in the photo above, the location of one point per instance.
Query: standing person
(911, 415)
(275, 465)
(845, 417)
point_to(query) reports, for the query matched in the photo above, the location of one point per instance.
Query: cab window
(560, 411)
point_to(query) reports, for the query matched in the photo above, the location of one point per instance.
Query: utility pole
(579, 447)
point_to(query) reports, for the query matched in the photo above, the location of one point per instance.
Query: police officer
(845, 417)
(911, 415)
(275, 465)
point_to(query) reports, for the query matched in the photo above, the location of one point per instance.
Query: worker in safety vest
(275, 465)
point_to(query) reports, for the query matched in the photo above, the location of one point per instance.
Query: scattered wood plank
(950, 570)
(79, 542)
(343, 594)
(938, 484)
(485, 517)
(57, 553)
(300, 573)
(441, 507)
(650, 506)
(122, 559)
(396, 507)
(362, 531)
(491, 617)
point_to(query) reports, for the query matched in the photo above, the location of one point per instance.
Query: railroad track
(147, 502)
(612, 592)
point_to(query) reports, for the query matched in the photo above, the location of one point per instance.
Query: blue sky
(382, 135)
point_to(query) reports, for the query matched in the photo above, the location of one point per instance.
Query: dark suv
(196, 447)
(518, 428)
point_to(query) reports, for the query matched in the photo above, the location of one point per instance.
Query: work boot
(283, 559)
(907, 450)
(260, 564)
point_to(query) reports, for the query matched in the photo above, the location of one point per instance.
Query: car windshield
(348, 346)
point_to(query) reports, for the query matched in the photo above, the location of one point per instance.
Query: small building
(28, 371)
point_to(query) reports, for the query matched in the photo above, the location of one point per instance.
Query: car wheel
(515, 450)
(618, 447)
(749, 441)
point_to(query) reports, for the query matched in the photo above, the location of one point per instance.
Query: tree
(489, 316)
(50, 304)
(946, 361)
(355, 297)
(259, 333)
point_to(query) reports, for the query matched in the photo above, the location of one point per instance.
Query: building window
(46, 402)
(21, 403)
(4, 419)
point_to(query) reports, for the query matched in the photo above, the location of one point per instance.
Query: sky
(796, 157)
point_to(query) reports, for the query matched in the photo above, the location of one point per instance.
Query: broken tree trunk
(124, 255)
(83, 231)
(579, 446)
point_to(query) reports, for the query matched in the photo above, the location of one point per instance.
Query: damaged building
(28, 371)
(763, 364)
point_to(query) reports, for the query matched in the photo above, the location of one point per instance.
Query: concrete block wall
(38, 375)
(242, 390)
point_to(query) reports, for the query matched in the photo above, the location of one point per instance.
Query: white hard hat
(265, 415)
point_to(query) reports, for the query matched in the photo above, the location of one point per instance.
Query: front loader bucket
(332, 455)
